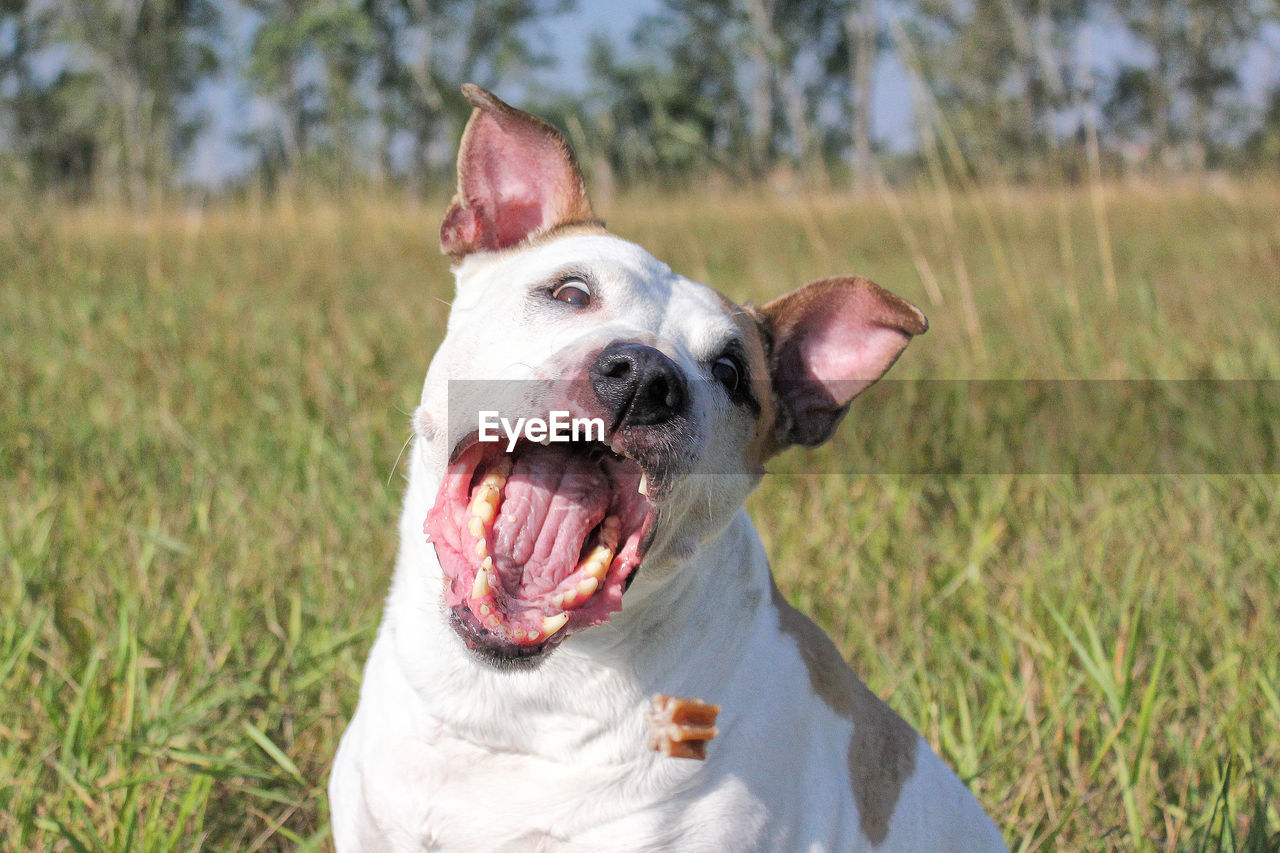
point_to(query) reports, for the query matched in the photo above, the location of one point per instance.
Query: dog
(546, 589)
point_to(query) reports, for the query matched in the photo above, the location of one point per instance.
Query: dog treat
(681, 727)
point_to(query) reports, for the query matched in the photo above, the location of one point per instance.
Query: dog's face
(678, 396)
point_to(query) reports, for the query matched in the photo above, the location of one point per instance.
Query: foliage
(110, 116)
(103, 97)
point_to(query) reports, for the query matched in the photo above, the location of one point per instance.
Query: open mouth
(537, 543)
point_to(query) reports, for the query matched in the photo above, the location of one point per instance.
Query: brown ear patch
(517, 180)
(882, 749)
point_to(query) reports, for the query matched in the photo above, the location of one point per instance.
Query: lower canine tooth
(551, 624)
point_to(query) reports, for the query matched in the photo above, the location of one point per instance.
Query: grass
(199, 422)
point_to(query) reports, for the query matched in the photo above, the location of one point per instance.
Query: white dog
(546, 589)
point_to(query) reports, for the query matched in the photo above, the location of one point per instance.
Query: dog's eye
(727, 371)
(572, 292)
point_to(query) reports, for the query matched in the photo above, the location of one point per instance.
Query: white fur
(447, 754)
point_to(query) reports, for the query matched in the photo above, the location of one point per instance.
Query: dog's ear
(831, 339)
(517, 178)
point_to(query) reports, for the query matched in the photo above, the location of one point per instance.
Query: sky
(233, 109)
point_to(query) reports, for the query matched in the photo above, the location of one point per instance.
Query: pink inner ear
(833, 338)
(848, 348)
(848, 341)
(514, 179)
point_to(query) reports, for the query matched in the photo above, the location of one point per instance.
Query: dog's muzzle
(541, 539)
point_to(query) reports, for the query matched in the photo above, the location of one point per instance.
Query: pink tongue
(552, 500)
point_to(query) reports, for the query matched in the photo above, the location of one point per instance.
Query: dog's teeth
(485, 504)
(551, 624)
(585, 588)
(476, 526)
(485, 610)
(480, 588)
(482, 550)
(643, 488)
(616, 447)
(493, 622)
(597, 563)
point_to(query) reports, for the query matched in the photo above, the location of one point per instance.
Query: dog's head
(678, 395)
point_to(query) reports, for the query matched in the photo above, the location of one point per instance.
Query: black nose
(637, 384)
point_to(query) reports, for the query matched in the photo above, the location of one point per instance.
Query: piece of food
(681, 727)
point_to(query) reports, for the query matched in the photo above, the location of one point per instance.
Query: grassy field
(200, 417)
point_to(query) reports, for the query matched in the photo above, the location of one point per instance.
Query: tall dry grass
(201, 413)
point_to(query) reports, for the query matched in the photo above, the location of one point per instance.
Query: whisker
(399, 455)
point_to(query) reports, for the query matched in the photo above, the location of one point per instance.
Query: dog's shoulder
(882, 748)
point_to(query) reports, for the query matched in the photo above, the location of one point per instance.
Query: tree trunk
(1162, 85)
(425, 101)
(861, 24)
(762, 84)
(1197, 146)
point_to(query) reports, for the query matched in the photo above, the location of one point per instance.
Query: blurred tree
(862, 33)
(675, 109)
(307, 59)
(426, 49)
(1263, 145)
(732, 85)
(1002, 74)
(787, 41)
(101, 95)
(1177, 104)
(48, 145)
(107, 110)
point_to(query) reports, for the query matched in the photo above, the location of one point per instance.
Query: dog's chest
(449, 794)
